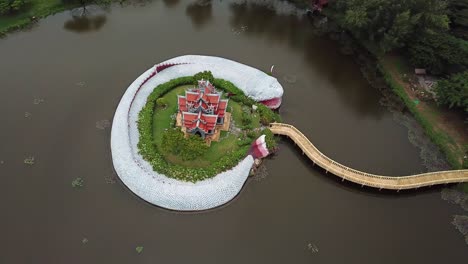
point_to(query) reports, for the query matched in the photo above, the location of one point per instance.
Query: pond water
(62, 80)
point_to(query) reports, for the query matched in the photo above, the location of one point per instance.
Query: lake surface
(60, 79)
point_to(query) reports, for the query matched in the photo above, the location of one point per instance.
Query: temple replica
(202, 112)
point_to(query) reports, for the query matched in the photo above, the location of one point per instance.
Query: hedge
(150, 153)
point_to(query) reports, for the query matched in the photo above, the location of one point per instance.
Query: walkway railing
(363, 178)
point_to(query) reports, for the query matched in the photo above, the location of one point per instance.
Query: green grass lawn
(228, 143)
(37, 8)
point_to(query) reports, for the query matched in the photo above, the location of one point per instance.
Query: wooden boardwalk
(363, 178)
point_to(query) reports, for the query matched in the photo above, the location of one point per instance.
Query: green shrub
(270, 140)
(205, 75)
(187, 148)
(252, 135)
(246, 119)
(266, 115)
(161, 102)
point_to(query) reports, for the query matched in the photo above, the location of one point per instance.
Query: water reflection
(295, 30)
(171, 3)
(200, 12)
(85, 20)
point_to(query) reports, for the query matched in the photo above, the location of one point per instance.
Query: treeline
(11, 6)
(433, 34)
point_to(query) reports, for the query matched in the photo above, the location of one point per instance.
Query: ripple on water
(289, 78)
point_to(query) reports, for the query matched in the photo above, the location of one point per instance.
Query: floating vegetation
(84, 241)
(37, 101)
(139, 249)
(29, 160)
(103, 124)
(80, 84)
(77, 183)
(239, 30)
(27, 114)
(433, 158)
(464, 203)
(313, 248)
(452, 196)
(461, 223)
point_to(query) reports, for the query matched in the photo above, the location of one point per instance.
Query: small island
(187, 132)
(201, 126)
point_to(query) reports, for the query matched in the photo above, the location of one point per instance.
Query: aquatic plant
(37, 101)
(77, 182)
(139, 249)
(452, 196)
(29, 160)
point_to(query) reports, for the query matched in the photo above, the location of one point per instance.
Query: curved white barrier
(138, 175)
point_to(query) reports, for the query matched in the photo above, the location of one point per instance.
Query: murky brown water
(82, 67)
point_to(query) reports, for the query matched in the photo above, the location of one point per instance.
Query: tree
(11, 6)
(453, 92)
(459, 18)
(187, 148)
(391, 24)
(205, 75)
(438, 52)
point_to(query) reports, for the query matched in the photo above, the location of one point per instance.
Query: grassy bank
(35, 8)
(439, 124)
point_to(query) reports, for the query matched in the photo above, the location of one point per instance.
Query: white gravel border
(138, 175)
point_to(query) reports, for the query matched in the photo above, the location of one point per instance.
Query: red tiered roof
(201, 107)
(199, 120)
(221, 107)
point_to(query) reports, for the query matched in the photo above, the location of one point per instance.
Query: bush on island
(270, 140)
(187, 148)
(205, 75)
(147, 148)
(161, 102)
